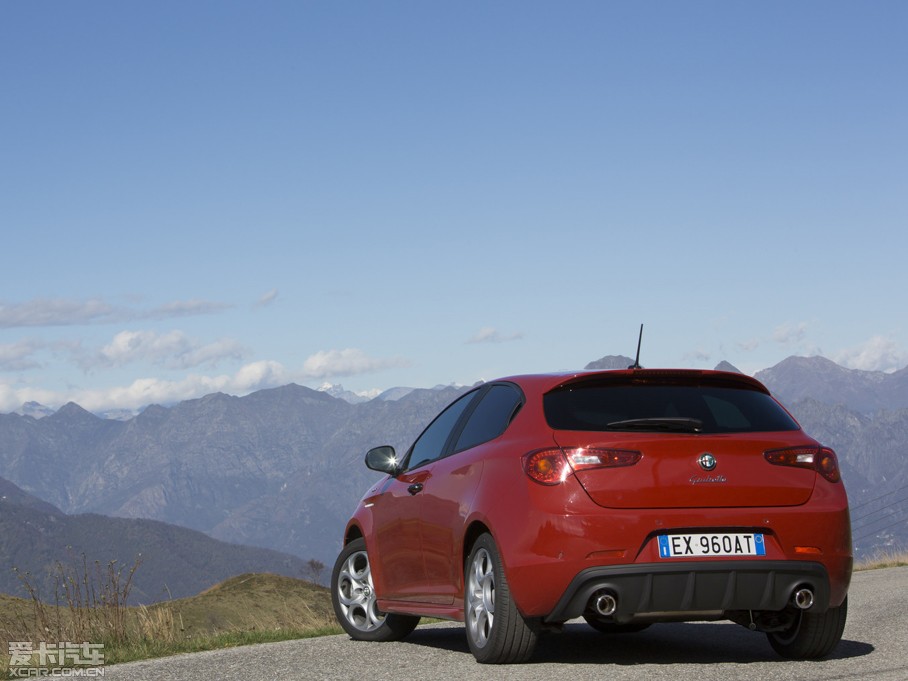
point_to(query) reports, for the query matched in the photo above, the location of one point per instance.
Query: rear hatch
(701, 437)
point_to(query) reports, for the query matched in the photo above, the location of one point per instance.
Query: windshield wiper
(659, 423)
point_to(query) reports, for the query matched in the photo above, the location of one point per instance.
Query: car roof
(543, 383)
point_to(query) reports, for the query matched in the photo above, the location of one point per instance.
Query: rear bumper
(694, 587)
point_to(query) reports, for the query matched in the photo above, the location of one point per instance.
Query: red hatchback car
(623, 497)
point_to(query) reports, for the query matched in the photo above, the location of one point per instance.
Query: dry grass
(253, 602)
(90, 605)
(884, 559)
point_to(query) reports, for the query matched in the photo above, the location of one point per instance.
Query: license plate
(691, 545)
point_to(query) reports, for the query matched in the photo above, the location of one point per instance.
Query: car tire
(813, 635)
(354, 599)
(496, 631)
(604, 627)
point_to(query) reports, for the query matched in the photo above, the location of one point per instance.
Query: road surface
(874, 648)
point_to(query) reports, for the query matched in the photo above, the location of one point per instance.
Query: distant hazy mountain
(622, 362)
(11, 494)
(798, 378)
(346, 395)
(279, 468)
(119, 414)
(392, 394)
(35, 410)
(175, 562)
(609, 362)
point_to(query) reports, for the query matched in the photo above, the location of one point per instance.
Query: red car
(623, 497)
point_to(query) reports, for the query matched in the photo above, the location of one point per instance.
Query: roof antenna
(636, 364)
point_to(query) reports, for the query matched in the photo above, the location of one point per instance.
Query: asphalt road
(874, 648)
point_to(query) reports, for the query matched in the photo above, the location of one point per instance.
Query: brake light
(547, 466)
(820, 459)
(552, 466)
(828, 465)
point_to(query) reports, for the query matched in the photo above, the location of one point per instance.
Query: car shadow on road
(692, 643)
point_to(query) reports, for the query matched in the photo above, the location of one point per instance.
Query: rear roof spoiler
(688, 376)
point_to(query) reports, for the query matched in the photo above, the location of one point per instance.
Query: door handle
(415, 488)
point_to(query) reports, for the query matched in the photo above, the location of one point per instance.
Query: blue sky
(234, 195)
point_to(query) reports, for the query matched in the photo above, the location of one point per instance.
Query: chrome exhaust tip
(803, 599)
(605, 604)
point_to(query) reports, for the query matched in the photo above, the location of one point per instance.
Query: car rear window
(664, 406)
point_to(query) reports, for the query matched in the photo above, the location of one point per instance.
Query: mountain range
(36, 536)
(283, 468)
(799, 378)
(279, 469)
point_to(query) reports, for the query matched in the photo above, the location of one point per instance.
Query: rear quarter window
(491, 416)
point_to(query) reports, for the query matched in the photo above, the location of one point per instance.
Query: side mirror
(382, 459)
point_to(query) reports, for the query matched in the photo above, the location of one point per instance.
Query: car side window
(430, 445)
(491, 416)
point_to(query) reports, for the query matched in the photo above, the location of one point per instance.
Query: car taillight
(820, 459)
(547, 466)
(551, 466)
(583, 458)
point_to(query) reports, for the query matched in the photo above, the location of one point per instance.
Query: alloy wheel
(356, 595)
(480, 614)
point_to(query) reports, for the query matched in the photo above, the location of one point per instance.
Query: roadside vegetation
(90, 605)
(885, 559)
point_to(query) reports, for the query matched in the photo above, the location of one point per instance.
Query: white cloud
(11, 398)
(249, 378)
(42, 312)
(174, 350)
(55, 312)
(697, 356)
(348, 362)
(211, 353)
(18, 356)
(258, 375)
(876, 354)
(184, 308)
(748, 345)
(790, 334)
(267, 298)
(490, 334)
(144, 391)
